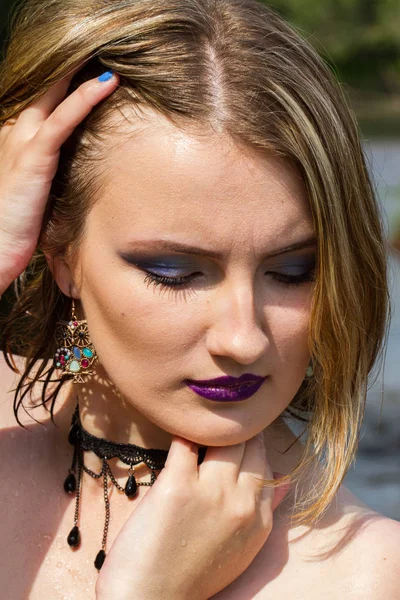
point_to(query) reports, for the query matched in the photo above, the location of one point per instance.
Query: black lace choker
(130, 454)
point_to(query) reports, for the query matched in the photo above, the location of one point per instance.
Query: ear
(62, 274)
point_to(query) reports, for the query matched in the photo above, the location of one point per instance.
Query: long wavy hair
(237, 65)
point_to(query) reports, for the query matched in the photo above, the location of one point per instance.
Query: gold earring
(75, 354)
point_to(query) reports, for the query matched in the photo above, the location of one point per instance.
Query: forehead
(161, 180)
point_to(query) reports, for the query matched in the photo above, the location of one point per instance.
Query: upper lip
(228, 381)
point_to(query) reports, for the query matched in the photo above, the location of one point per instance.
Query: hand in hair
(29, 154)
(197, 529)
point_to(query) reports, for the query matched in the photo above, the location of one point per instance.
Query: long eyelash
(292, 280)
(171, 282)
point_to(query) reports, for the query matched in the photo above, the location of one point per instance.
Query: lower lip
(227, 394)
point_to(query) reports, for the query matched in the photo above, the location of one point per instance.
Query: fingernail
(105, 76)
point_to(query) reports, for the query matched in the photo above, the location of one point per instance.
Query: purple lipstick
(226, 388)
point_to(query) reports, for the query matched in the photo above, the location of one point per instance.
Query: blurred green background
(360, 39)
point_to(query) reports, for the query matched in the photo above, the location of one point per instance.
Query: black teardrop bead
(131, 486)
(99, 560)
(73, 435)
(70, 483)
(74, 538)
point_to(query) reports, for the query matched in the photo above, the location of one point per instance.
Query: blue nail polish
(106, 76)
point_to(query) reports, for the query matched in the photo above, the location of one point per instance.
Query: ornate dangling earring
(75, 352)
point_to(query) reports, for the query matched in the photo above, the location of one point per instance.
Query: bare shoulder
(376, 552)
(385, 560)
(353, 551)
(8, 382)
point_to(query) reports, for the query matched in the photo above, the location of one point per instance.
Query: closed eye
(184, 281)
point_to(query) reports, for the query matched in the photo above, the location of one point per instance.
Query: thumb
(280, 492)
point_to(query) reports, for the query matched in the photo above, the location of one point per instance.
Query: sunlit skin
(201, 189)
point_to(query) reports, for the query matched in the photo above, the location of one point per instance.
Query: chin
(228, 435)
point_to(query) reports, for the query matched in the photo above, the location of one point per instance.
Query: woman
(183, 189)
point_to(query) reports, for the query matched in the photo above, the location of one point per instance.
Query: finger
(182, 458)
(255, 466)
(67, 116)
(222, 464)
(40, 110)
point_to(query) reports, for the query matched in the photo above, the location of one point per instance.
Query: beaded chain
(130, 454)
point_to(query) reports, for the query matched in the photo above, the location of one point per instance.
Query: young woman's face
(242, 303)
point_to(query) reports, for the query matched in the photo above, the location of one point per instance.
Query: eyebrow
(174, 246)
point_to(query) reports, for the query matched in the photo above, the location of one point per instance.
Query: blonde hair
(237, 64)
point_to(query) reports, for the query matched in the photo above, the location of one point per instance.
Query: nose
(236, 327)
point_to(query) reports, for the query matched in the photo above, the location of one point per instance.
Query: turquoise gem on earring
(87, 352)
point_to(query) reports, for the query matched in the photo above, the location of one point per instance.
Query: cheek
(290, 354)
(289, 329)
(133, 324)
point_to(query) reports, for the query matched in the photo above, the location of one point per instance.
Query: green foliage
(361, 37)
